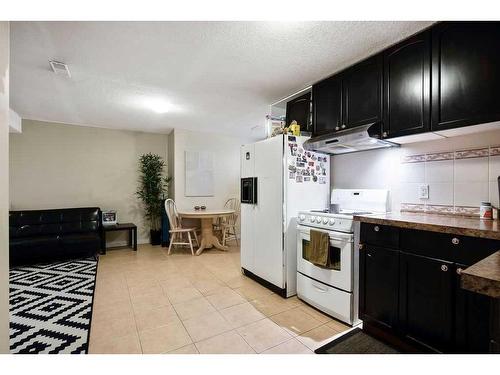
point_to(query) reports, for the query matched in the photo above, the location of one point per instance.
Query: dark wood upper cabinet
(445, 77)
(362, 86)
(299, 109)
(407, 86)
(327, 105)
(426, 310)
(465, 74)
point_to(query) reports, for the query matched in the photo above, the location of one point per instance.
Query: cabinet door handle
(343, 126)
(361, 246)
(459, 271)
(369, 255)
(455, 241)
(376, 228)
(384, 134)
(444, 268)
(337, 128)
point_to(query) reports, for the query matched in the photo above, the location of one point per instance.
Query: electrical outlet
(423, 191)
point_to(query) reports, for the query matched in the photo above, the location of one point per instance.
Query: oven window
(333, 255)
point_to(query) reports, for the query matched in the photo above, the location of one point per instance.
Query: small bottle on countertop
(486, 211)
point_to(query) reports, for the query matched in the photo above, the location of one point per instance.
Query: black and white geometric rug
(51, 307)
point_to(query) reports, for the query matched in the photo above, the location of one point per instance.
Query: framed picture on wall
(199, 172)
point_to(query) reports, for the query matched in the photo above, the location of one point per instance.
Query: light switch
(423, 191)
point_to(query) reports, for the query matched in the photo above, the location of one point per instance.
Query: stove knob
(332, 221)
(302, 217)
(312, 218)
(325, 220)
(318, 219)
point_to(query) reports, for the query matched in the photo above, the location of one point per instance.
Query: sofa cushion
(82, 243)
(34, 249)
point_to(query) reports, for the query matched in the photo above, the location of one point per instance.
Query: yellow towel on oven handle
(319, 252)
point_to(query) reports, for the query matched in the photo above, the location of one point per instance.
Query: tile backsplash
(458, 180)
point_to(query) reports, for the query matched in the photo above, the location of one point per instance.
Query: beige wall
(4, 187)
(226, 166)
(171, 164)
(57, 165)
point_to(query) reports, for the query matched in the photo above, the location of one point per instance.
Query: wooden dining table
(208, 238)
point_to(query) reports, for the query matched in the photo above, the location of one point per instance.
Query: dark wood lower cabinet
(472, 332)
(379, 297)
(416, 299)
(495, 326)
(426, 301)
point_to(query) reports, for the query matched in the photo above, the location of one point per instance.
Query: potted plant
(152, 188)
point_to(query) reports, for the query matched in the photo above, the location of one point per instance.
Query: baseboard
(279, 291)
(112, 244)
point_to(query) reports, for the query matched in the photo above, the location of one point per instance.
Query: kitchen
(412, 253)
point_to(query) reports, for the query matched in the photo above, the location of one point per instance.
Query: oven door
(339, 274)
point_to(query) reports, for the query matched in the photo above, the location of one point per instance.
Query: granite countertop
(458, 225)
(484, 276)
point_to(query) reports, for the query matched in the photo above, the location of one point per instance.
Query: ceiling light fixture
(158, 105)
(60, 68)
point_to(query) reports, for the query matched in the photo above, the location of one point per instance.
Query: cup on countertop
(486, 211)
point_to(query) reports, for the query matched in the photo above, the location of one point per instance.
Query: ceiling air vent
(60, 68)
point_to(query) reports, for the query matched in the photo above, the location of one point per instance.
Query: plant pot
(155, 236)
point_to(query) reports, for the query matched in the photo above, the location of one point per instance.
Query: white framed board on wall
(199, 172)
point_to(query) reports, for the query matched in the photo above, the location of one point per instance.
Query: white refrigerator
(283, 179)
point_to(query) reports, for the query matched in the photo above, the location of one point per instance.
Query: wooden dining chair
(176, 229)
(227, 224)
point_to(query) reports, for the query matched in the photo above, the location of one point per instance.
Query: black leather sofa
(38, 236)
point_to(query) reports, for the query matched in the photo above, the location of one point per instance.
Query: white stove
(342, 222)
(334, 289)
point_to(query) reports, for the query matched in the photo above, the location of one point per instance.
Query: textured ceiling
(216, 76)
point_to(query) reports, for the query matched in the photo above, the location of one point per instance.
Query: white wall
(15, 122)
(58, 165)
(226, 166)
(383, 168)
(4, 187)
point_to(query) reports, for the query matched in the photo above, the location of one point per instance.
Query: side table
(132, 234)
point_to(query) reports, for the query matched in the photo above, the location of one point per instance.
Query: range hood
(361, 138)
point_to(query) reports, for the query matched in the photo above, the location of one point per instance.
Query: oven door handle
(322, 290)
(343, 238)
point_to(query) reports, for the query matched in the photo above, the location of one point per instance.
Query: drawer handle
(320, 289)
(376, 228)
(455, 241)
(444, 268)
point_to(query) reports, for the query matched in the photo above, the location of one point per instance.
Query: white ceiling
(217, 76)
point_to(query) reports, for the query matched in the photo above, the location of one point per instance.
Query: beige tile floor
(151, 302)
